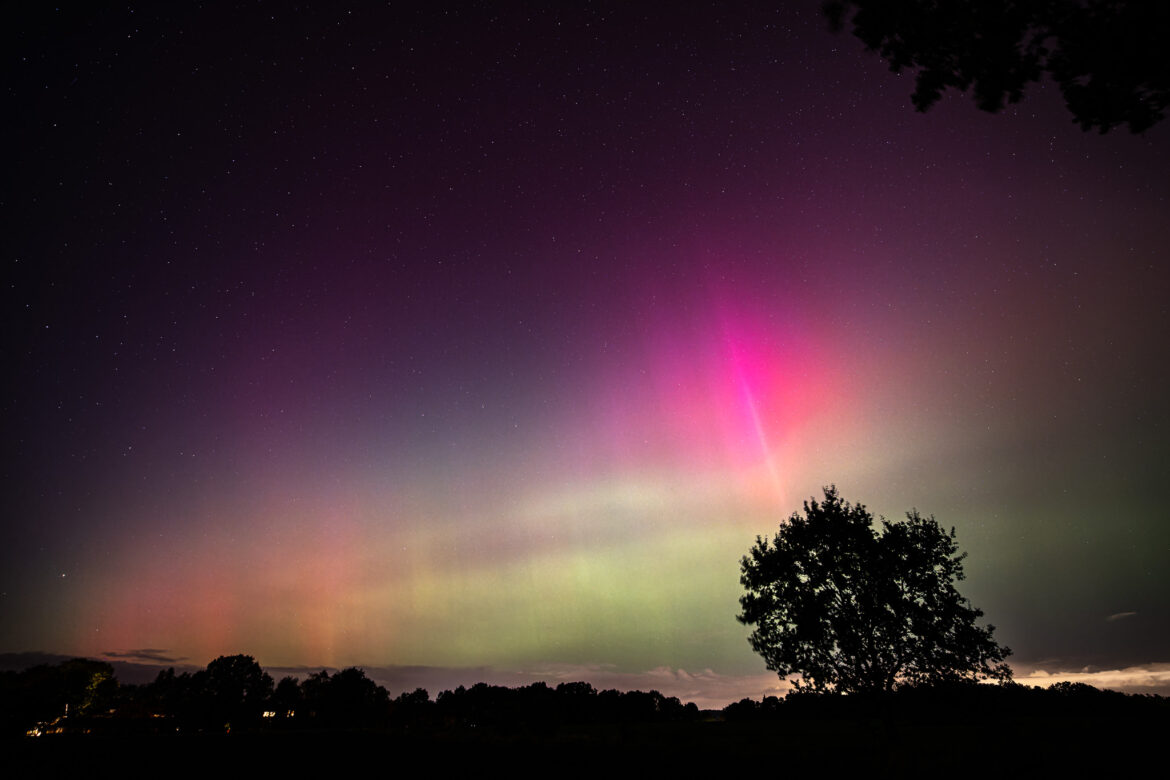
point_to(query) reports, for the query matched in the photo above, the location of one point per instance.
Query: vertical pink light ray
(723, 385)
(748, 397)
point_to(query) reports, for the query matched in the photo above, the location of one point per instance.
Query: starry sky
(488, 337)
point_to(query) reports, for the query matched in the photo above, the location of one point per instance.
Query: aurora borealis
(492, 336)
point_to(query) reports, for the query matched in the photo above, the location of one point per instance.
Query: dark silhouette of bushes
(80, 688)
(287, 698)
(234, 691)
(540, 707)
(958, 702)
(234, 695)
(348, 699)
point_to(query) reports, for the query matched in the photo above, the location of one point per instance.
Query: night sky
(487, 340)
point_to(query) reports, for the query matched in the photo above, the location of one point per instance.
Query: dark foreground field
(957, 747)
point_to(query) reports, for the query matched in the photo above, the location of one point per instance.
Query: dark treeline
(969, 701)
(232, 714)
(235, 694)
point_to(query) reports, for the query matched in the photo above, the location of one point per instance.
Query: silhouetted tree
(357, 699)
(75, 688)
(416, 698)
(172, 696)
(770, 708)
(233, 691)
(413, 709)
(314, 690)
(850, 609)
(348, 698)
(1108, 57)
(286, 697)
(576, 702)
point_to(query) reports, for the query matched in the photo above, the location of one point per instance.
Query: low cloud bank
(1146, 678)
(146, 654)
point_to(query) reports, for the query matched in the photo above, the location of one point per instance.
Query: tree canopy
(851, 609)
(1108, 57)
(235, 689)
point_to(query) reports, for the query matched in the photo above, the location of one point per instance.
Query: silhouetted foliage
(414, 709)
(43, 693)
(851, 610)
(964, 701)
(417, 699)
(540, 708)
(233, 691)
(347, 699)
(286, 698)
(924, 726)
(750, 709)
(1108, 57)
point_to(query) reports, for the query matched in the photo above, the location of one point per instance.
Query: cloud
(1145, 678)
(1119, 616)
(148, 654)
